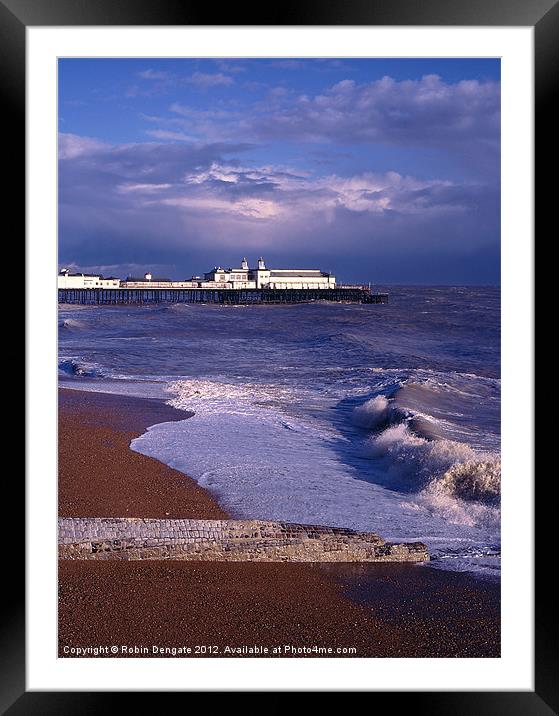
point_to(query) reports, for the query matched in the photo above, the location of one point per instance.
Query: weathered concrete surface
(225, 540)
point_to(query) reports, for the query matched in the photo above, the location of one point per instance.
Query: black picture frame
(15, 17)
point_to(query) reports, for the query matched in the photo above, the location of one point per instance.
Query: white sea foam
(262, 464)
(210, 396)
(68, 324)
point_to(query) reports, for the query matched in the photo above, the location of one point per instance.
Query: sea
(379, 417)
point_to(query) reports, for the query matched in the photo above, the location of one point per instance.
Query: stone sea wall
(134, 538)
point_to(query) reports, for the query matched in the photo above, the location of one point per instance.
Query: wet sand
(380, 610)
(100, 476)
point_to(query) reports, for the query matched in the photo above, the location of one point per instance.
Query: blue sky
(377, 169)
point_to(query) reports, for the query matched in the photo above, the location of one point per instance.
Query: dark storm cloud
(159, 203)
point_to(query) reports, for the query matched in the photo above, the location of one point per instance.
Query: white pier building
(218, 277)
(263, 277)
(85, 280)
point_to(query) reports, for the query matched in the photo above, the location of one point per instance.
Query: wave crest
(374, 413)
(448, 475)
(77, 368)
(478, 480)
(70, 323)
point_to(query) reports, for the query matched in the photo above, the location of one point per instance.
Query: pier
(231, 296)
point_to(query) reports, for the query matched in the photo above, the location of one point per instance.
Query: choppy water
(376, 417)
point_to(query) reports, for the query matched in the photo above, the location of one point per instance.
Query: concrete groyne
(133, 538)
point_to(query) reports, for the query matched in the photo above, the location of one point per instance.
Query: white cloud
(242, 208)
(153, 75)
(128, 188)
(71, 146)
(168, 134)
(202, 79)
(427, 110)
(269, 192)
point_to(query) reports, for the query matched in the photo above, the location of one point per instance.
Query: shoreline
(381, 610)
(101, 476)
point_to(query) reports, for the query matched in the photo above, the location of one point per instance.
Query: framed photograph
(280, 314)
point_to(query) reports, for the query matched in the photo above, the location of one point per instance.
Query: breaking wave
(79, 368)
(476, 479)
(374, 413)
(414, 456)
(70, 323)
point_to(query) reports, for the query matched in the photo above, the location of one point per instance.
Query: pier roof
(296, 272)
(153, 279)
